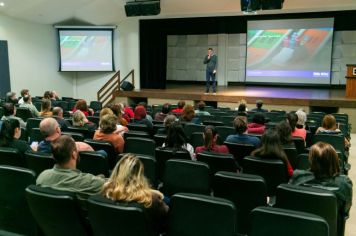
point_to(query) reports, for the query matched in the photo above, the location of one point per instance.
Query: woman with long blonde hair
(127, 183)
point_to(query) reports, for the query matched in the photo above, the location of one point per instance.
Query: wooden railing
(106, 94)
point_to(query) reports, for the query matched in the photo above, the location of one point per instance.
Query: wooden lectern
(351, 81)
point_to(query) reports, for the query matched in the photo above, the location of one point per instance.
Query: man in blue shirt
(241, 134)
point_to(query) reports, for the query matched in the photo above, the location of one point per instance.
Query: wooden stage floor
(324, 97)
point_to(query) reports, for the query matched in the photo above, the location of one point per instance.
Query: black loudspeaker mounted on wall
(142, 7)
(127, 86)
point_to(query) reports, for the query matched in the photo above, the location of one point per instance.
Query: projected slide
(289, 51)
(86, 50)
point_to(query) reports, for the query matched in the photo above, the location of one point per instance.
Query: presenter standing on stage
(211, 61)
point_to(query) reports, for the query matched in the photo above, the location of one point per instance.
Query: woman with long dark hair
(210, 137)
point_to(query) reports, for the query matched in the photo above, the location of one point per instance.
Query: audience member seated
(272, 148)
(24, 92)
(10, 113)
(80, 121)
(176, 140)
(258, 124)
(160, 116)
(242, 107)
(47, 95)
(109, 132)
(10, 132)
(50, 129)
(119, 113)
(201, 109)
(140, 118)
(64, 175)
(148, 116)
(324, 173)
(58, 115)
(259, 104)
(188, 115)
(128, 112)
(292, 119)
(83, 107)
(284, 131)
(11, 98)
(167, 122)
(27, 102)
(210, 137)
(329, 126)
(127, 183)
(180, 107)
(55, 95)
(240, 135)
(46, 108)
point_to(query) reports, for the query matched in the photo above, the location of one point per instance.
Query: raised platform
(306, 97)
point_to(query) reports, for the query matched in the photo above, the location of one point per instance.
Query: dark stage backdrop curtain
(153, 36)
(153, 56)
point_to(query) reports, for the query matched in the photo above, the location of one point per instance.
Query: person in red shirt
(180, 107)
(83, 107)
(258, 124)
(210, 137)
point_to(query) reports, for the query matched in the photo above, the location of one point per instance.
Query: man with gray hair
(58, 115)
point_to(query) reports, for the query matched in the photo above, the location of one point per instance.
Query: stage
(291, 96)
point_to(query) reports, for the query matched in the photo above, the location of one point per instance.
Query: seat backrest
(317, 201)
(107, 147)
(244, 190)
(39, 161)
(190, 128)
(24, 113)
(32, 123)
(140, 145)
(335, 140)
(54, 209)
(239, 150)
(93, 163)
(78, 137)
(197, 139)
(86, 132)
(195, 214)
(112, 218)
(140, 134)
(213, 122)
(164, 154)
(36, 135)
(12, 157)
(218, 161)
(273, 171)
(137, 127)
(15, 216)
(62, 104)
(223, 132)
(292, 156)
(227, 120)
(299, 144)
(94, 119)
(186, 176)
(95, 105)
(303, 161)
(281, 222)
(159, 139)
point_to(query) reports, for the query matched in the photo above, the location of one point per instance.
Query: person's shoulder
(43, 176)
(301, 176)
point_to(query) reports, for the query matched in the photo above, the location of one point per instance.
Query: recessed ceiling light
(2, 4)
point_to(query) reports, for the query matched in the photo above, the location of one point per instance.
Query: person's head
(140, 113)
(201, 105)
(11, 97)
(166, 108)
(292, 119)
(58, 112)
(210, 51)
(117, 109)
(259, 118)
(79, 118)
(81, 105)
(285, 132)
(168, 120)
(9, 109)
(181, 104)
(47, 95)
(27, 99)
(10, 130)
(128, 182)
(108, 123)
(242, 108)
(271, 145)
(65, 151)
(324, 161)
(24, 92)
(329, 122)
(188, 113)
(50, 129)
(54, 95)
(106, 111)
(144, 104)
(210, 136)
(302, 118)
(259, 104)
(176, 137)
(240, 125)
(46, 105)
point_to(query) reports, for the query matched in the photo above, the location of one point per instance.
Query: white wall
(33, 57)
(126, 56)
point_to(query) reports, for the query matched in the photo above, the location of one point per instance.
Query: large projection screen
(293, 51)
(86, 49)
